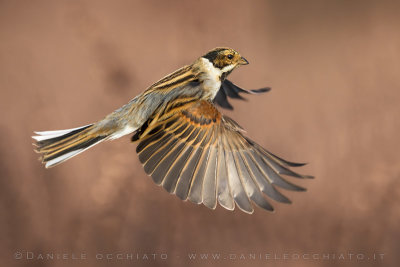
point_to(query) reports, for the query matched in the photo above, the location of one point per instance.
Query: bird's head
(225, 59)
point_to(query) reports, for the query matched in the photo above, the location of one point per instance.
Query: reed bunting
(184, 142)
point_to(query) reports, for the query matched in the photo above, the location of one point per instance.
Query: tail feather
(52, 134)
(58, 146)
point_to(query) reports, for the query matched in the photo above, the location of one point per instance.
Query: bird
(184, 142)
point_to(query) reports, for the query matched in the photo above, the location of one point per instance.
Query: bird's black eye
(230, 56)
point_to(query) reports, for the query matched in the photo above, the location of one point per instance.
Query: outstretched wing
(229, 89)
(198, 154)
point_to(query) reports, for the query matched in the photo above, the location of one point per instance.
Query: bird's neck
(210, 77)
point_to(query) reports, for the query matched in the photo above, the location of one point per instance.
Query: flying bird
(184, 143)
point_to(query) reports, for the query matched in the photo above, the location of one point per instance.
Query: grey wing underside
(229, 89)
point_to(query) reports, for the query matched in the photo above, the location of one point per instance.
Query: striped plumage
(185, 143)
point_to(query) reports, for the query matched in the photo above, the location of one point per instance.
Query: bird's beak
(243, 61)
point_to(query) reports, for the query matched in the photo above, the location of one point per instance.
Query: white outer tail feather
(45, 135)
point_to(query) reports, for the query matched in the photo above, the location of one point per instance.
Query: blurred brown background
(334, 71)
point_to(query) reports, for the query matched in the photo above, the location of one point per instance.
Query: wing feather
(171, 166)
(225, 198)
(209, 182)
(253, 190)
(151, 145)
(185, 179)
(196, 189)
(154, 160)
(229, 89)
(263, 182)
(272, 174)
(236, 184)
(278, 164)
(186, 176)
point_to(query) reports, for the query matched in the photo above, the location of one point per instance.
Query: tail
(58, 146)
